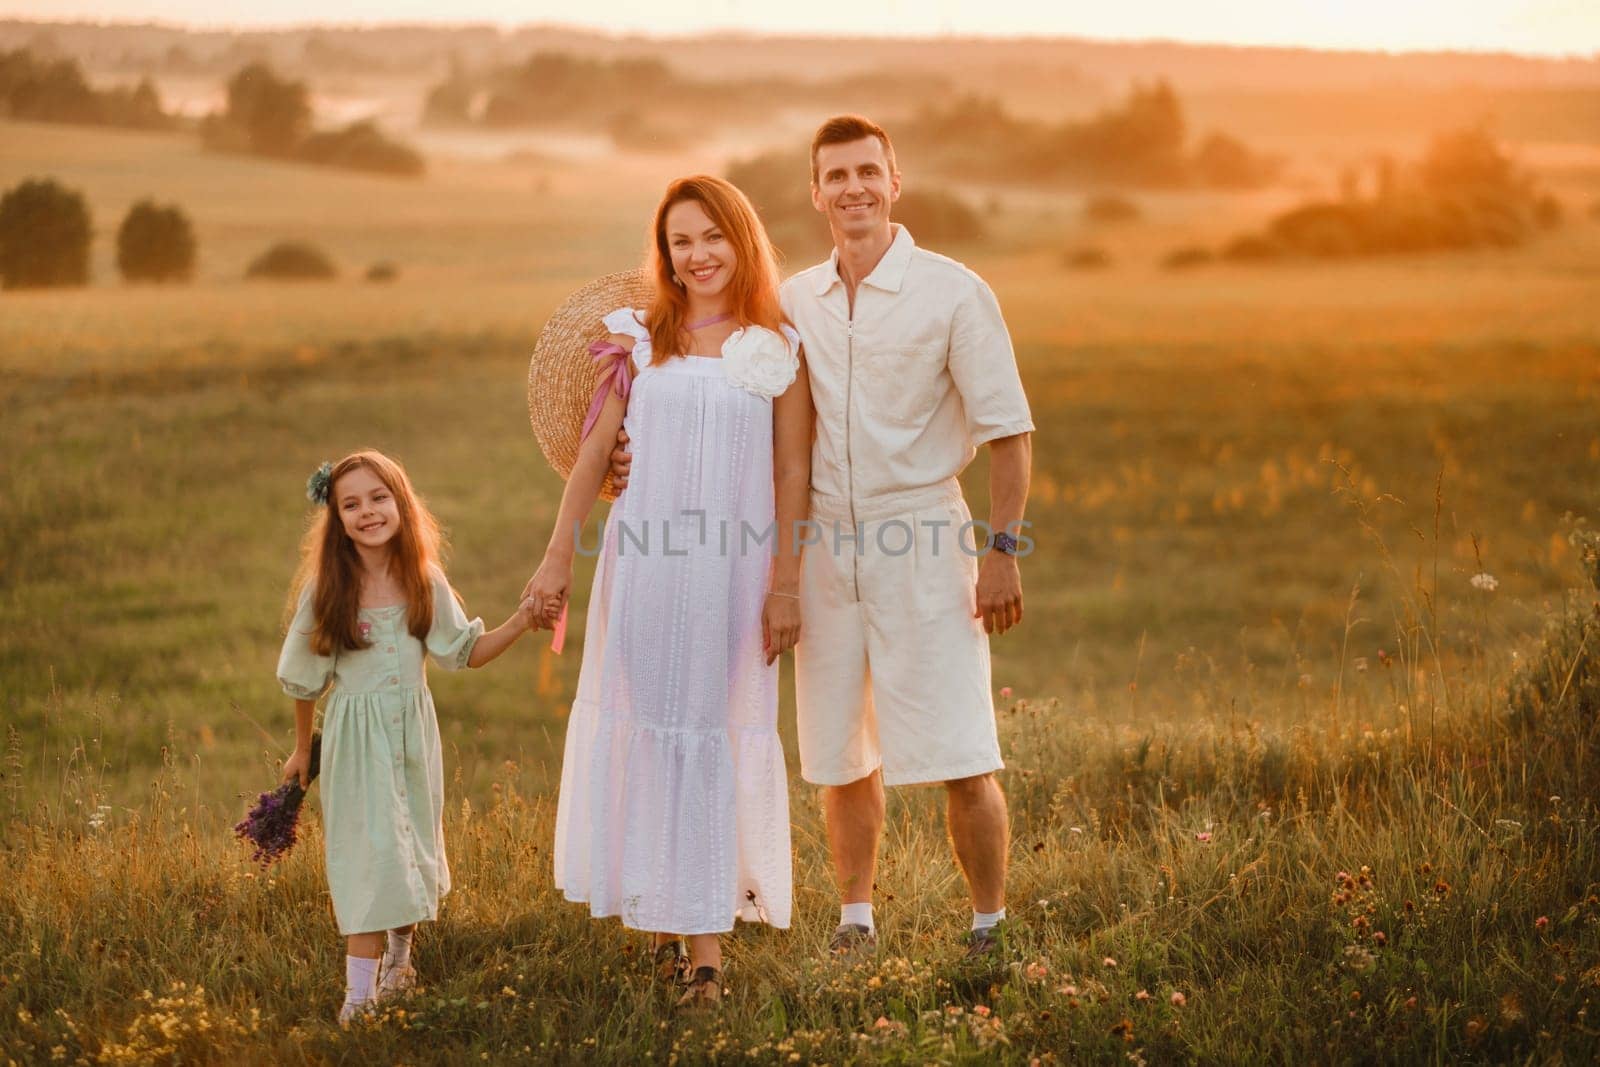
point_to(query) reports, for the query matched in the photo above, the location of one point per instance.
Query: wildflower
(1411, 1004)
(1035, 971)
(1123, 1029)
(1005, 692)
(1541, 923)
(1384, 659)
(1178, 999)
(1109, 962)
(272, 826)
(1380, 938)
(1203, 836)
(1143, 994)
(982, 1010)
(1068, 990)
(1485, 582)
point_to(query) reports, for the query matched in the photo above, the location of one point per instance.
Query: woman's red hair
(753, 289)
(331, 567)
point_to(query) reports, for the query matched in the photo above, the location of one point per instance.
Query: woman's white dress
(674, 807)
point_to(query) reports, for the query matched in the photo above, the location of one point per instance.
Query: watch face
(1004, 542)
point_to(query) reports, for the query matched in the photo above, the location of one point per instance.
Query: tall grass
(1338, 891)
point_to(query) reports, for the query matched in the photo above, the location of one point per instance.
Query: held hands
(999, 595)
(546, 593)
(780, 625)
(298, 767)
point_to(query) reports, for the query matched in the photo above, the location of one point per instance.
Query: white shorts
(892, 669)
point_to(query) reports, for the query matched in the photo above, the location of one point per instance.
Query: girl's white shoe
(394, 981)
(352, 1009)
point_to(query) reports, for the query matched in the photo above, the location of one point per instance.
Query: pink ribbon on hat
(612, 359)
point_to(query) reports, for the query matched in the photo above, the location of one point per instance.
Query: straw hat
(562, 374)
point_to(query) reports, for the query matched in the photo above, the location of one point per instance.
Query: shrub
(1110, 208)
(292, 261)
(155, 244)
(1090, 258)
(1251, 249)
(1463, 193)
(44, 236)
(361, 146)
(1187, 257)
(383, 272)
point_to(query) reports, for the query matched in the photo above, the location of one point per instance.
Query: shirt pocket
(901, 384)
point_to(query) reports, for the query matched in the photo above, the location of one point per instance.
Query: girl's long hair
(331, 567)
(753, 289)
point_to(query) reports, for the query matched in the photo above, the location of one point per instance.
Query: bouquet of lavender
(273, 824)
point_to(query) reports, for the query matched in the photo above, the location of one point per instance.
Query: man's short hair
(842, 129)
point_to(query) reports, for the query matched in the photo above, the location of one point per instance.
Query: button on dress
(382, 773)
(674, 804)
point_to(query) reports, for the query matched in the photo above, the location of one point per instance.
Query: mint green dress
(382, 776)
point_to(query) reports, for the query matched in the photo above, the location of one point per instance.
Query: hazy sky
(1551, 27)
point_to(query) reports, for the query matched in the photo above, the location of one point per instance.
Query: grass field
(1247, 483)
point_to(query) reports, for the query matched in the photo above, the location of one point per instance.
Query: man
(911, 369)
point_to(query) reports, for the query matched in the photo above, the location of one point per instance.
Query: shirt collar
(889, 274)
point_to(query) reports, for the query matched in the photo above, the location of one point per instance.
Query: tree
(273, 113)
(44, 236)
(155, 244)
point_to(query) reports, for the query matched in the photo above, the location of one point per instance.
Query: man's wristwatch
(1001, 541)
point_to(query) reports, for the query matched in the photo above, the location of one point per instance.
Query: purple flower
(273, 824)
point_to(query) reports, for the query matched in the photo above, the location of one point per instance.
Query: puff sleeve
(630, 323)
(302, 673)
(452, 636)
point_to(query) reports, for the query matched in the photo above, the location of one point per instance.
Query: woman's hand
(780, 625)
(528, 612)
(549, 587)
(298, 766)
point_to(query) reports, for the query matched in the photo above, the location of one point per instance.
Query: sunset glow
(1547, 27)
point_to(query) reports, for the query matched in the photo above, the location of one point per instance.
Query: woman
(673, 809)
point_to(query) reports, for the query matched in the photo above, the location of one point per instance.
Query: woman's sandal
(704, 990)
(672, 962)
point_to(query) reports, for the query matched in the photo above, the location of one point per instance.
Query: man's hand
(621, 460)
(999, 592)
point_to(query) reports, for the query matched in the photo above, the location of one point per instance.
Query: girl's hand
(549, 587)
(780, 625)
(298, 765)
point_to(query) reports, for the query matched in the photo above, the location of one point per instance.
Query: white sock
(983, 920)
(360, 979)
(857, 914)
(399, 949)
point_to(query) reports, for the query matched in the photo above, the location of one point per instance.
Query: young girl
(369, 601)
(673, 811)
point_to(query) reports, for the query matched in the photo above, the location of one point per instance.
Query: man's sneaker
(987, 944)
(851, 938)
(394, 981)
